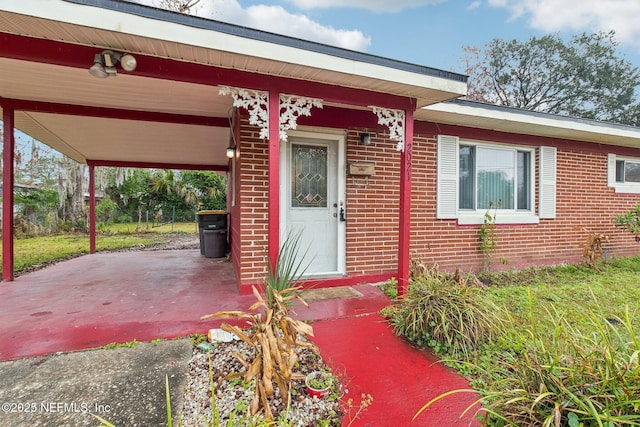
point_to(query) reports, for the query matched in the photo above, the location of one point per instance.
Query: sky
(430, 32)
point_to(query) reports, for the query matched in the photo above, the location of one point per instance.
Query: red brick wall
(583, 201)
(373, 207)
(250, 237)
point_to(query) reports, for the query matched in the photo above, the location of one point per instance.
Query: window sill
(500, 218)
(628, 189)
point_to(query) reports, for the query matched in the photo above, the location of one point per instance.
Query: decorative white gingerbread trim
(294, 107)
(256, 102)
(394, 120)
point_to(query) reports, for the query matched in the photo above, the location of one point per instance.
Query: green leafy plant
(320, 380)
(629, 221)
(487, 236)
(275, 336)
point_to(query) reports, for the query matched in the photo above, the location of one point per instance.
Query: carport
(182, 105)
(164, 114)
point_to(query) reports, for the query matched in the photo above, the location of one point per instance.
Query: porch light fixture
(231, 152)
(104, 63)
(365, 138)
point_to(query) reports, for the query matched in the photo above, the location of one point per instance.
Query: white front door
(312, 173)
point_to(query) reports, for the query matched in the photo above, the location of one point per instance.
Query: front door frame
(323, 135)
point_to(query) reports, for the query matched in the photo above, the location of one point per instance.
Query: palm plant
(288, 270)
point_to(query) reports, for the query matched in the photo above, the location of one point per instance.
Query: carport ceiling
(169, 109)
(173, 109)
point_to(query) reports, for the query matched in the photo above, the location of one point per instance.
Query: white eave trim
(121, 22)
(570, 128)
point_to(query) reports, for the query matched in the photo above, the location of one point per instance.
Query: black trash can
(210, 220)
(215, 243)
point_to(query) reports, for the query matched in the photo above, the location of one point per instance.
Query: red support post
(92, 210)
(404, 228)
(273, 245)
(8, 155)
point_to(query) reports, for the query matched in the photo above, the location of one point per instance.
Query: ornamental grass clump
(446, 312)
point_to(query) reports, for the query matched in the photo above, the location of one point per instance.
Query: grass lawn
(574, 291)
(34, 251)
(564, 349)
(132, 227)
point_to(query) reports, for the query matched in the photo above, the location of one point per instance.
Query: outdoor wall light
(365, 138)
(104, 63)
(231, 152)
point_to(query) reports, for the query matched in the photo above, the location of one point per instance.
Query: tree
(584, 77)
(71, 189)
(204, 189)
(182, 6)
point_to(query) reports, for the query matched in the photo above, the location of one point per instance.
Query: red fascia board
(72, 55)
(150, 165)
(113, 113)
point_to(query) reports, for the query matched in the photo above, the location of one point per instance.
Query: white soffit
(506, 119)
(427, 88)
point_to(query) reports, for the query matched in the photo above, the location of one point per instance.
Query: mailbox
(362, 168)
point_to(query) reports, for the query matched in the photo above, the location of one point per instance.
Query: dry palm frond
(275, 335)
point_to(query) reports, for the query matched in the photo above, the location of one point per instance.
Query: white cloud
(373, 5)
(276, 19)
(474, 5)
(622, 16)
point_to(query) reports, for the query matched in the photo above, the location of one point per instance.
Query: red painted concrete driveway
(98, 299)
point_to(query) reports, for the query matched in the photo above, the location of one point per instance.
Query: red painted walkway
(94, 300)
(399, 377)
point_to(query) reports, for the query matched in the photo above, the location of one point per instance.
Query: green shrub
(106, 210)
(629, 221)
(447, 314)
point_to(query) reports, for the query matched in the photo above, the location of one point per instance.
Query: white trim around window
(617, 169)
(449, 183)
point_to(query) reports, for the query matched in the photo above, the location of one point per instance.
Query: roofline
(264, 36)
(513, 114)
(539, 114)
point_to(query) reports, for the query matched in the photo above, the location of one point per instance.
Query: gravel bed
(233, 397)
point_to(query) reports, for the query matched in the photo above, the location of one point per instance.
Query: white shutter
(447, 181)
(547, 167)
(611, 170)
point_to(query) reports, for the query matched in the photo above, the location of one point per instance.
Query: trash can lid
(212, 212)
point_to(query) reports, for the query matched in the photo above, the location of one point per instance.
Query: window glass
(491, 177)
(495, 175)
(524, 180)
(308, 176)
(467, 177)
(631, 172)
(619, 170)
